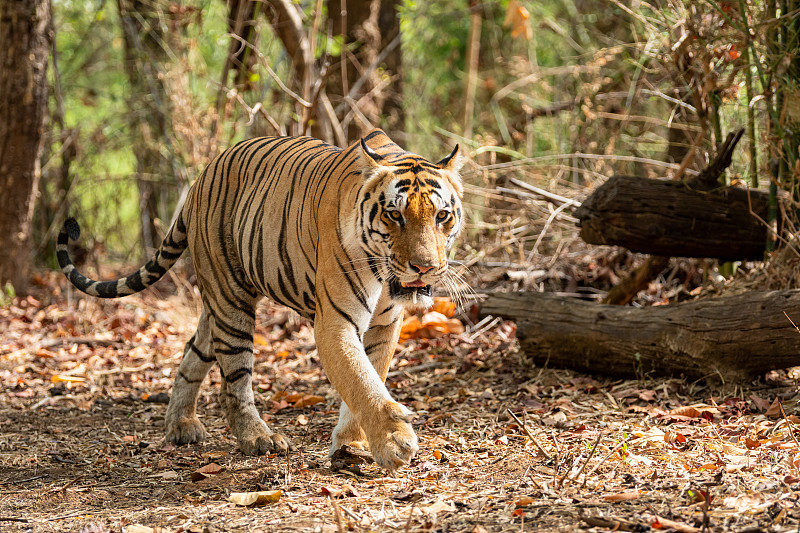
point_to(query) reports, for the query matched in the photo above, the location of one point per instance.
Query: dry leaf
(211, 469)
(775, 410)
(345, 490)
(308, 399)
(433, 324)
(517, 19)
(525, 500)
(748, 501)
(686, 410)
(214, 455)
(751, 443)
(760, 403)
(330, 491)
(45, 353)
(658, 522)
(263, 497)
(444, 306)
(169, 474)
(439, 506)
(61, 378)
(440, 456)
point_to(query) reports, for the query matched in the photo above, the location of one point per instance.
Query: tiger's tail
(173, 245)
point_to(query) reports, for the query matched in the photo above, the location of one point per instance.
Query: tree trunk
(368, 27)
(733, 337)
(672, 219)
(242, 23)
(148, 110)
(25, 37)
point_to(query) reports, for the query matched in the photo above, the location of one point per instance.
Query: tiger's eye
(441, 216)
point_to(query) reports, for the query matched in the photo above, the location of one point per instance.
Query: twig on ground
(521, 424)
(337, 514)
(417, 368)
(614, 524)
(69, 515)
(485, 328)
(586, 462)
(783, 414)
(18, 482)
(410, 516)
(556, 484)
(606, 458)
(66, 486)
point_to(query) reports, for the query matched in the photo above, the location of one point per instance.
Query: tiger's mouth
(415, 288)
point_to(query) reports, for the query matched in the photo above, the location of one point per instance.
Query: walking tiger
(345, 237)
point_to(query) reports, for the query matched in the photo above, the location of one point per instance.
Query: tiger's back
(257, 207)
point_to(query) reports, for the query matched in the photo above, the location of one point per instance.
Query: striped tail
(165, 257)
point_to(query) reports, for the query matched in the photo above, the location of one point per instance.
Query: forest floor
(83, 392)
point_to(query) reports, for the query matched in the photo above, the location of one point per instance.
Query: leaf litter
(504, 445)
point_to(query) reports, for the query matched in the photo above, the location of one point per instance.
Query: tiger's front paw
(185, 430)
(260, 440)
(395, 443)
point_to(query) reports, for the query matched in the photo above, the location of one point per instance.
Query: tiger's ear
(370, 157)
(452, 162)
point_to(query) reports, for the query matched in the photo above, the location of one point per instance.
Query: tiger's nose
(422, 268)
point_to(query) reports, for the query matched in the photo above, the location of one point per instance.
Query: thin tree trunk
(25, 38)
(473, 54)
(148, 112)
(367, 28)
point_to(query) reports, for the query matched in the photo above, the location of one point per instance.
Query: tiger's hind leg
(182, 424)
(233, 345)
(380, 341)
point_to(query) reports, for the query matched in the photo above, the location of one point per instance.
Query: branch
(707, 179)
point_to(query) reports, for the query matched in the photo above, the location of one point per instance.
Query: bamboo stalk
(772, 126)
(751, 117)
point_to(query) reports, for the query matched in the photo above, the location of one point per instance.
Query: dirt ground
(83, 392)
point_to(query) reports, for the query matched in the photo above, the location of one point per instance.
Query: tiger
(347, 238)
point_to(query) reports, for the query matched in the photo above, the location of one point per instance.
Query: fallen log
(733, 337)
(670, 218)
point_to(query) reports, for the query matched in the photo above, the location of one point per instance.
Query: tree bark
(25, 38)
(626, 290)
(733, 337)
(242, 23)
(367, 28)
(286, 19)
(669, 218)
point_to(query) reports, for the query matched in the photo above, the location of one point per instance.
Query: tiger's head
(409, 216)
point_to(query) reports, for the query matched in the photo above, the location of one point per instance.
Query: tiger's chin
(411, 296)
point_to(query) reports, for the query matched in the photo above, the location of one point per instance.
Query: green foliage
(7, 295)
(596, 80)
